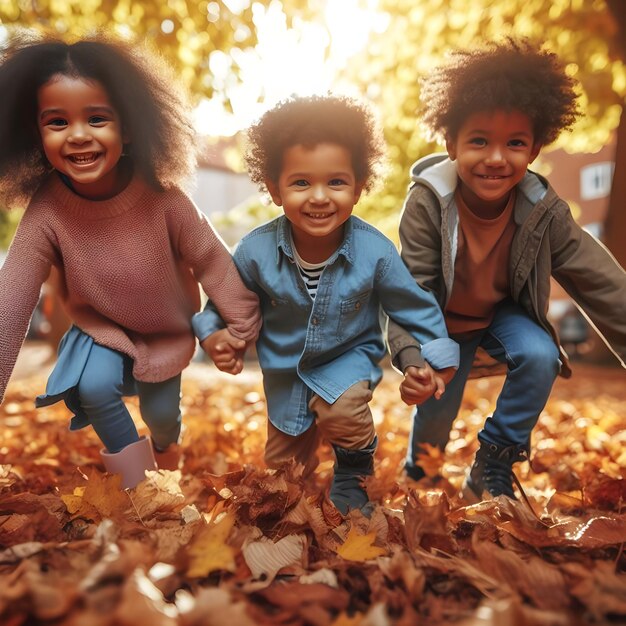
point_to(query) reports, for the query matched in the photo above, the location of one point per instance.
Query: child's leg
(281, 447)
(348, 425)
(347, 422)
(100, 389)
(433, 419)
(532, 359)
(159, 404)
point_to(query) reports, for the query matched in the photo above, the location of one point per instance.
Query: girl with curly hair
(95, 137)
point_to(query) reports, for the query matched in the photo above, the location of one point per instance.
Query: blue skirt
(73, 353)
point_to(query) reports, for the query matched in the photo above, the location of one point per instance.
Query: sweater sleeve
(25, 269)
(208, 320)
(215, 270)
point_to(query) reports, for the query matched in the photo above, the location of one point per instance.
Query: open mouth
(84, 159)
(487, 177)
(318, 216)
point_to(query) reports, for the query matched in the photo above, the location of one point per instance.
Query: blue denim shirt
(326, 345)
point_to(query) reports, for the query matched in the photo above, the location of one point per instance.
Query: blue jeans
(532, 361)
(107, 377)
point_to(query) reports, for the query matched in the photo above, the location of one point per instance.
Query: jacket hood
(438, 173)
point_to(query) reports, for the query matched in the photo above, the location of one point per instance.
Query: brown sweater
(481, 268)
(129, 267)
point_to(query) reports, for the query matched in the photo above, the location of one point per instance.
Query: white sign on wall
(595, 180)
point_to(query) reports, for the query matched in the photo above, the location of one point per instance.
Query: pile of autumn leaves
(227, 543)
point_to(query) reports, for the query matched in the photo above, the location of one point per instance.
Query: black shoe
(415, 472)
(351, 468)
(492, 472)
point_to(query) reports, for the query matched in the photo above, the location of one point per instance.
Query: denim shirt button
(357, 306)
(314, 321)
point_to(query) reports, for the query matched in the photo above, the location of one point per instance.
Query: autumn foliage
(225, 542)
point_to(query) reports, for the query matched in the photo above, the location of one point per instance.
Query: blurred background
(240, 57)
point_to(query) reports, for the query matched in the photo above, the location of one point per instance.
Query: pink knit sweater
(130, 268)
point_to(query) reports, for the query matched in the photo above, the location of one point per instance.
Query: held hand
(442, 378)
(225, 351)
(419, 384)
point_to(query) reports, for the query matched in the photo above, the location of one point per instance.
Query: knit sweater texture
(129, 268)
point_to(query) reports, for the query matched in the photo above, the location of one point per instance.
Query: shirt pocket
(277, 308)
(352, 315)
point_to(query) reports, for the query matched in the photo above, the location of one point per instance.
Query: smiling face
(317, 190)
(81, 134)
(492, 151)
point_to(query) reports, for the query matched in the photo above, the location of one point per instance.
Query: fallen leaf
(266, 558)
(160, 491)
(100, 498)
(359, 547)
(209, 551)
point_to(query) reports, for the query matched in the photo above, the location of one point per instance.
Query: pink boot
(131, 462)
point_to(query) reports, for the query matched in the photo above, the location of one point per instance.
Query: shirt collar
(283, 241)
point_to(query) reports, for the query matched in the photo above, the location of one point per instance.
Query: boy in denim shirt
(322, 277)
(484, 234)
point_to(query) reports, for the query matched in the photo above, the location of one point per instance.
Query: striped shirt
(310, 272)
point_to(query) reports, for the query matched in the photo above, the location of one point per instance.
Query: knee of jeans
(541, 357)
(159, 414)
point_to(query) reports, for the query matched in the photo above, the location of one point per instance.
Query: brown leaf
(27, 517)
(212, 607)
(599, 589)
(426, 521)
(143, 603)
(530, 576)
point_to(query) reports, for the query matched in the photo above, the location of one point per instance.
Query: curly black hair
(514, 74)
(309, 121)
(153, 108)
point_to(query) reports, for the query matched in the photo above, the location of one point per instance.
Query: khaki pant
(347, 423)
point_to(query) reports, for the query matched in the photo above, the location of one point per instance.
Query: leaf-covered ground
(227, 543)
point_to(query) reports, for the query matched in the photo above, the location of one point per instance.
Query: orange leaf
(101, 497)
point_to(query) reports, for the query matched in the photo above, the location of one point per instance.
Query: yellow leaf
(101, 497)
(73, 500)
(360, 548)
(209, 551)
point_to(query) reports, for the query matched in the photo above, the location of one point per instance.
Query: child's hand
(225, 351)
(419, 384)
